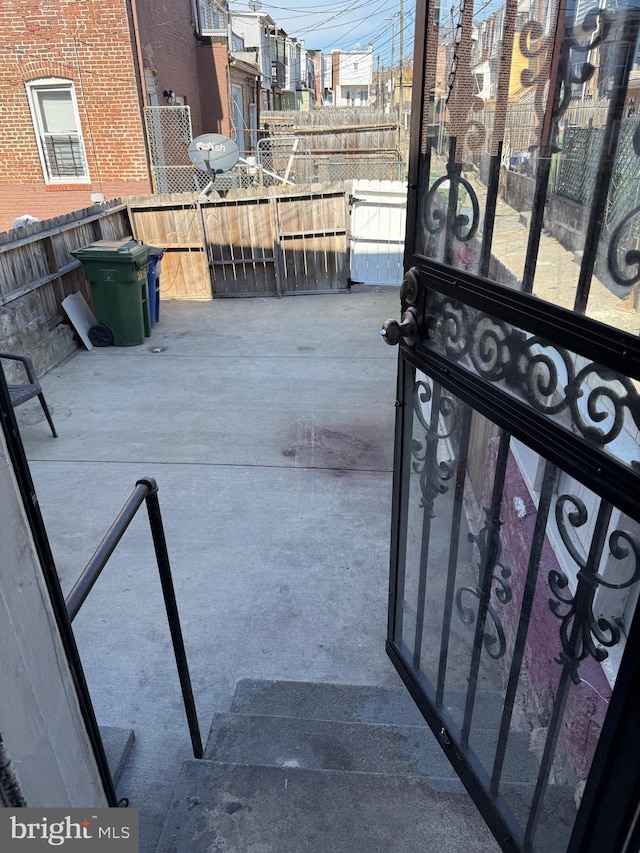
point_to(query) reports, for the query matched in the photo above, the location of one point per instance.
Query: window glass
(58, 133)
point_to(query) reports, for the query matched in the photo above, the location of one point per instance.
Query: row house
(238, 93)
(352, 77)
(487, 51)
(319, 66)
(300, 88)
(265, 43)
(98, 92)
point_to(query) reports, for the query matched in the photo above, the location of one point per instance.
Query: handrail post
(162, 557)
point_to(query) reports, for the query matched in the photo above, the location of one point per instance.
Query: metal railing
(146, 490)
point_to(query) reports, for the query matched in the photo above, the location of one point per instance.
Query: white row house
(351, 77)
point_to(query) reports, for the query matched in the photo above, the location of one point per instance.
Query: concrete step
(360, 747)
(239, 808)
(117, 744)
(326, 745)
(351, 703)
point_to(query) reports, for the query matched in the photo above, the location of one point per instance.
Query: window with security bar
(56, 123)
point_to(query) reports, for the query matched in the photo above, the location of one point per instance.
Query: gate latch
(444, 737)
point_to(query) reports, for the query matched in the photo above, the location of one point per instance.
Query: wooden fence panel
(312, 237)
(37, 258)
(251, 242)
(173, 223)
(240, 237)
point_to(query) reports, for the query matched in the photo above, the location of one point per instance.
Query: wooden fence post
(277, 248)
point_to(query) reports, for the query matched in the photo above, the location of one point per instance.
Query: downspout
(231, 104)
(141, 84)
(138, 50)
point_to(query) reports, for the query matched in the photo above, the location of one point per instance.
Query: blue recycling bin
(153, 283)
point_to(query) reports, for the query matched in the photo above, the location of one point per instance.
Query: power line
(346, 33)
(344, 11)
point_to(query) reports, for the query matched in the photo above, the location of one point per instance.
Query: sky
(345, 25)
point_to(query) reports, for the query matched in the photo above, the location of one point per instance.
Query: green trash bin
(117, 272)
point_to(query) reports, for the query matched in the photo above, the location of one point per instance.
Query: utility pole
(393, 43)
(401, 104)
(393, 47)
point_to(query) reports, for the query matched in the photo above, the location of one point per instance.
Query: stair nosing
(418, 727)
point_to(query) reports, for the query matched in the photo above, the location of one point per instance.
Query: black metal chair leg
(48, 414)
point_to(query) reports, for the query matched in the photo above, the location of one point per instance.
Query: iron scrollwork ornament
(574, 67)
(582, 633)
(457, 224)
(596, 400)
(491, 567)
(434, 474)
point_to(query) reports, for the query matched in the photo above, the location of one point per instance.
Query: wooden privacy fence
(37, 258)
(270, 241)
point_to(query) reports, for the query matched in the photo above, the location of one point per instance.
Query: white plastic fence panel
(378, 220)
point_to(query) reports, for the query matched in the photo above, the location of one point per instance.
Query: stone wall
(563, 219)
(24, 329)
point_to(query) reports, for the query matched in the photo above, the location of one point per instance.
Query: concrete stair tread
(351, 702)
(360, 747)
(238, 808)
(325, 745)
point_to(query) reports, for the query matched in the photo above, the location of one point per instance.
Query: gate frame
(608, 818)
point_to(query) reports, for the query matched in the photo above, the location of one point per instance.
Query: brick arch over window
(38, 69)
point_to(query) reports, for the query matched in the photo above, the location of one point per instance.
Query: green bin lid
(124, 251)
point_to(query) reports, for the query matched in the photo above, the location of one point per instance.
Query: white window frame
(151, 87)
(56, 84)
(237, 96)
(212, 17)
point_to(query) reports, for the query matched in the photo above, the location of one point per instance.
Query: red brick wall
(170, 48)
(89, 43)
(92, 44)
(213, 64)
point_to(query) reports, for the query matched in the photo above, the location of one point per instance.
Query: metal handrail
(146, 490)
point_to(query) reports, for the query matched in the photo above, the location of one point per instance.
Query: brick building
(77, 76)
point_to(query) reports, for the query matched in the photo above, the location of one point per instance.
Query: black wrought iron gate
(516, 526)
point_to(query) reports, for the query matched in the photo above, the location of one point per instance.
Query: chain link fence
(624, 195)
(278, 160)
(291, 158)
(287, 158)
(352, 166)
(578, 163)
(168, 137)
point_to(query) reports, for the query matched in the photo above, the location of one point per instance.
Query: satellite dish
(213, 153)
(254, 5)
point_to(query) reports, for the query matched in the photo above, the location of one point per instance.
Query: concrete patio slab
(268, 425)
